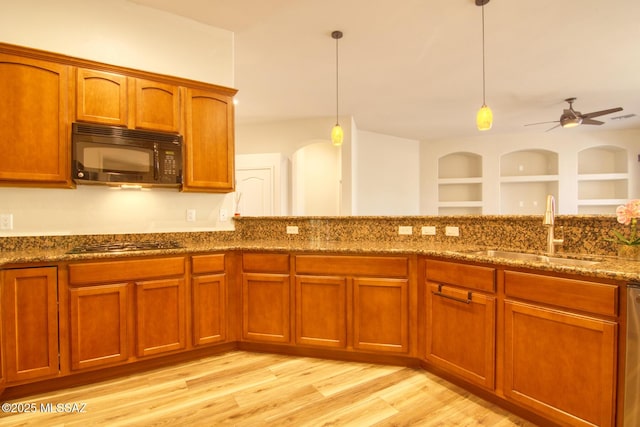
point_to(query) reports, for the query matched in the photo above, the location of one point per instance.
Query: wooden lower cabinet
(321, 311)
(461, 333)
(209, 299)
(381, 314)
(266, 297)
(98, 324)
(160, 316)
(30, 323)
(561, 364)
(461, 320)
(125, 309)
(266, 307)
(365, 308)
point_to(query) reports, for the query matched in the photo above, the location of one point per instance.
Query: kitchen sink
(523, 256)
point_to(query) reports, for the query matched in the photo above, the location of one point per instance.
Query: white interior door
(256, 188)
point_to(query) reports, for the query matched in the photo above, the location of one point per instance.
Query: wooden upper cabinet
(34, 122)
(209, 142)
(101, 97)
(118, 100)
(156, 106)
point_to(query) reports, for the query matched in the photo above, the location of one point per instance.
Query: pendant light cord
(483, 79)
(337, 91)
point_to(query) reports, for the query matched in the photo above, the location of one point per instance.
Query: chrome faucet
(548, 221)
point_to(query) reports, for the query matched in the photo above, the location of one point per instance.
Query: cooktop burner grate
(124, 247)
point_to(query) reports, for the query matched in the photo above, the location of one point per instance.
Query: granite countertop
(606, 267)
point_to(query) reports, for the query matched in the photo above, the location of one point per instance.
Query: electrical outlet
(429, 230)
(405, 230)
(452, 231)
(6, 221)
(223, 215)
(292, 229)
(191, 215)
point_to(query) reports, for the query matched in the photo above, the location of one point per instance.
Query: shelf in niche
(463, 204)
(460, 210)
(603, 176)
(451, 181)
(529, 178)
(598, 209)
(602, 202)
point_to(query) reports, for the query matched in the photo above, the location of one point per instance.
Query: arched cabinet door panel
(209, 142)
(34, 122)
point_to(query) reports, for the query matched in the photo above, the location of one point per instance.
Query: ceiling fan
(572, 118)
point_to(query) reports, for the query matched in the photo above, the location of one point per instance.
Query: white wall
(379, 174)
(121, 33)
(287, 137)
(316, 180)
(387, 177)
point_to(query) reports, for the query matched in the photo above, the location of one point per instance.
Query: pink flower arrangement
(628, 215)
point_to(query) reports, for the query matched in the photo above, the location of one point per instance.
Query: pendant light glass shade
(484, 119)
(337, 135)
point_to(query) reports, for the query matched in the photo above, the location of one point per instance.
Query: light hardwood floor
(253, 389)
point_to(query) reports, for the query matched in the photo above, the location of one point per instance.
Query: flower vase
(631, 252)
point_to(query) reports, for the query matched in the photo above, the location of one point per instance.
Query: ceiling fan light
(571, 122)
(484, 119)
(337, 135)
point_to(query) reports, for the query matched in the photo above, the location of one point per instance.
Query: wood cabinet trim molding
(101, 66)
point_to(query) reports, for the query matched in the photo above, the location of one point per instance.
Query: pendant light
(484, 119)
(337, 135)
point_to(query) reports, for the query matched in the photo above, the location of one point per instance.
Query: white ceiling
(413, 68)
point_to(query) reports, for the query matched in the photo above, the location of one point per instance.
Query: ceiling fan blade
(553, 127)
(542, 123)
(601, 113)
(591, 122)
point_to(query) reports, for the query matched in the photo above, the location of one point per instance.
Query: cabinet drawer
(469, 276)
(352, 265)
(597, 298)
(201, 264)
(265, 263)
(126, 270)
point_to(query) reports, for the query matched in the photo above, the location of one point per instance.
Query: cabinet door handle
(465, 301)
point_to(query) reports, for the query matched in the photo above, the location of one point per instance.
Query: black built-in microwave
(114, 155)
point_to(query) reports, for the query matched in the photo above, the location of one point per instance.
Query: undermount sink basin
(521, 256)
